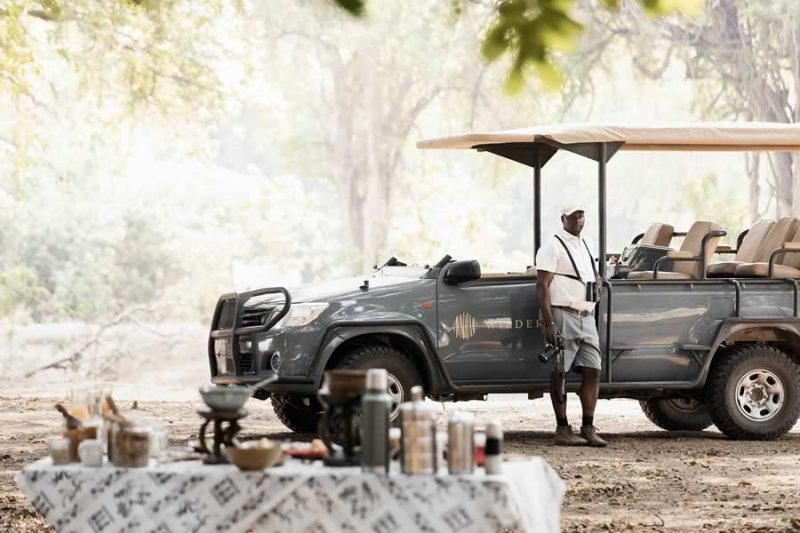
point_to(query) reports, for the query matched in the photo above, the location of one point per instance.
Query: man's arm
(543, 281)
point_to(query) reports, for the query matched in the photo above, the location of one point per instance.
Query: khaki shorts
(581, 343)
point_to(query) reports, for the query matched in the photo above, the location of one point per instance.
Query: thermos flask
(460, 443)
(375, 405)
(418, 437)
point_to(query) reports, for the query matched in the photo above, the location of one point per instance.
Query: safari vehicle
(697, 342)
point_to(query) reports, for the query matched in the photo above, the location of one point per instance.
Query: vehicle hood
(340, 289)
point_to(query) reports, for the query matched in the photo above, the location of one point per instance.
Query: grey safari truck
(696, 341)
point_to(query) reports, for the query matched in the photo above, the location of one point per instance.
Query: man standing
(564, 264)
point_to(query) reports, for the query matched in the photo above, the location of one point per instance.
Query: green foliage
(354, 7)
(531, 31)
(19, 290)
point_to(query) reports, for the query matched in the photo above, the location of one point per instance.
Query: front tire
(677, 414)
(301, 414)
(754, 393)
(401, 371)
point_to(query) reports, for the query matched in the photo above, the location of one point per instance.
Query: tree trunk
(753, 171)
(782, 164)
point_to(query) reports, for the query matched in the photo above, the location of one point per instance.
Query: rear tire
(293, 412)
(677, 414)
(754, 393)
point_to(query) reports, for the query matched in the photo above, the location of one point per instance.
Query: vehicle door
(661, 331)
(487, 329)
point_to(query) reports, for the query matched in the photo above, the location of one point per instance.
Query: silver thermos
(418, 436)
(375, 406)
(460, 443)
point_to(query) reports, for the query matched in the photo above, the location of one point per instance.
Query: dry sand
(647, 480)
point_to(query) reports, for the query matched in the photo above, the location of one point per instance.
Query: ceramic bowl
(226, 398)
(256, 457)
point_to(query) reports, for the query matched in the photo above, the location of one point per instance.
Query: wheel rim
(395, 390)
(687, 405)
(759, 395)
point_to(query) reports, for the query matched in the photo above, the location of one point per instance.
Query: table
(190, 496)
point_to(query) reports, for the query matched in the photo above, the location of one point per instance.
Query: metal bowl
(230, 398)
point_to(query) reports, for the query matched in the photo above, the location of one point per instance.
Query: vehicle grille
(246, 363)
(226, 316)
(255, 316)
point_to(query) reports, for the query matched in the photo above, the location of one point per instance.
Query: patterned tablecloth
(190, 496)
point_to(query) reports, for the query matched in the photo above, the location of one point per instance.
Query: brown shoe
(565, 436)
(590, 434)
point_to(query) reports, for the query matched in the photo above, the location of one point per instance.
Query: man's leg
(588, 358)
(564, 435)
(559, 402)
(590, 390)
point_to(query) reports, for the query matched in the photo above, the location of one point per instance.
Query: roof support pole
(601, 199)
(537, 204)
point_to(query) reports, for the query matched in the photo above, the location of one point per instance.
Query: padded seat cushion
(761, 270)
(658, 235)
(648, 274)
(725, 268)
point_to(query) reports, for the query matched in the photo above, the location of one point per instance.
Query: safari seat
(747, 252)
(687, 263)
(658, 235)
(785, 234)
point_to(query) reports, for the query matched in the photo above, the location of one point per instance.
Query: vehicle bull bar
(234, 331)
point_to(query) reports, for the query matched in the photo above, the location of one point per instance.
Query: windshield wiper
(391, 262)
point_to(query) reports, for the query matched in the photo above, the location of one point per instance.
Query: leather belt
(572, 311)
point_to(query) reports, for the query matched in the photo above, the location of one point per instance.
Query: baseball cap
(567, 211)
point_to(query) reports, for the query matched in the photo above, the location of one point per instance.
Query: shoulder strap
(577, 275)
(591, 259)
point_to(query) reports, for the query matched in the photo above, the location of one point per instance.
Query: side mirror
(462, 271)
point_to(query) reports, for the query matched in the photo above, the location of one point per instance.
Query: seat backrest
(780, 233)
(693, 243)
(752, 240)
(658, 235)
(792, 259)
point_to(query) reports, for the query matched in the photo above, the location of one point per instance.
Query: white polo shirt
(551, 257)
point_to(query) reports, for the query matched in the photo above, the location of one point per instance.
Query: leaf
(612, 5)
(559, 31)
(353, 7)
(496, 42)
(550, 74)
(666, 7)
(514, 82)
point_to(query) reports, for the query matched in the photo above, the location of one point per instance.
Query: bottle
(375, 406)
(418, 435)
(460, 443)
(493, 459)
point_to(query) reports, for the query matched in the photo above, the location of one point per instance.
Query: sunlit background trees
(154, 153)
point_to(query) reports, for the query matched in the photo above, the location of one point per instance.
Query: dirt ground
(647, 480)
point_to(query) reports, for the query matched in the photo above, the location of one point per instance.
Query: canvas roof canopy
(535, 146)
(697, 136)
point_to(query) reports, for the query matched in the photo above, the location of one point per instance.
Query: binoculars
(592, 291)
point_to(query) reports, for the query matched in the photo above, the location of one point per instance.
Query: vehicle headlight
(301, 315)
